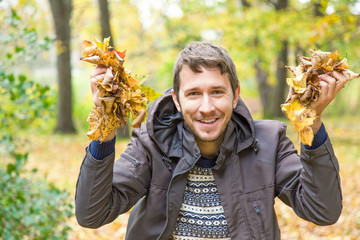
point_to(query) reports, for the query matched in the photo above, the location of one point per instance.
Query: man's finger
(341, 79)
(98, 77)
(94, 81)
(327, 84)
(99, 69)
(108, 76)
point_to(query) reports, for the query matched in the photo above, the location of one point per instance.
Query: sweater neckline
(206, 162)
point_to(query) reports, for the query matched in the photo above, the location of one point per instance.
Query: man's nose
(206, 105)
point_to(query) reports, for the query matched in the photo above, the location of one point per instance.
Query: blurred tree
(105, 21)
(281, 71)
(61, 11)
(272, 96)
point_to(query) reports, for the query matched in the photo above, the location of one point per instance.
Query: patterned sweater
(201, 215)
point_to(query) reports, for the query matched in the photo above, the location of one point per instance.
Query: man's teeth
(208, 121)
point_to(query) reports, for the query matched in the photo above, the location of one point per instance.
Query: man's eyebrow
(219, 87)
(191, 89)
(214, 87)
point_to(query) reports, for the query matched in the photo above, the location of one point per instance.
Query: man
(202, 168)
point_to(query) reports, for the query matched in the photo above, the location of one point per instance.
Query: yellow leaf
(99, 44)
(106, 43)
(298, 83)
(302, 118)
(318, 57)
(94, 119)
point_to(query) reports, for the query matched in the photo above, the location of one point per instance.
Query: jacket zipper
(167, 193)
(167, 162)
(131, 159)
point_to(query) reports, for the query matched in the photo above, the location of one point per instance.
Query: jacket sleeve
(310, 186)
(106, 189)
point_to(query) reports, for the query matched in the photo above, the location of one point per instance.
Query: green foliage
(29, 207)
(22, 41)
(151, 94)
(23, 101)
(347, 102)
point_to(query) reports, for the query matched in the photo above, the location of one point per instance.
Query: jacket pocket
(258, 210)
(135, 162)
(255, 216)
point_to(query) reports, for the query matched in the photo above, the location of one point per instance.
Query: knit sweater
(201, 215)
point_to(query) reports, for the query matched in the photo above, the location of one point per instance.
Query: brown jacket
(255, 164)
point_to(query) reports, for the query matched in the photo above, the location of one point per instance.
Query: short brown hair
(209, 55)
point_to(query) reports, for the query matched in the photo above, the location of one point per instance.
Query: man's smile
(208, 121)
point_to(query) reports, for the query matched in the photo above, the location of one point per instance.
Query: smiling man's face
(206, 101)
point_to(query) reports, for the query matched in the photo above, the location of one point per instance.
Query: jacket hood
(166, 127)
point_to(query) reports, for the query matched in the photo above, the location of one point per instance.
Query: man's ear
(236, 97)
(176, 102)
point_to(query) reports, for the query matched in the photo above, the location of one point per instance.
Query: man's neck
(209, 149)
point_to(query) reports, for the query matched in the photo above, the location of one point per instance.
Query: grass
(58, 157)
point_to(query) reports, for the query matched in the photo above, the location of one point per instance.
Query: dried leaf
(120, 54)
(304, 89)
(102, 45)
(108, 82)
(302, 118)
(129, 99)
(95, 118)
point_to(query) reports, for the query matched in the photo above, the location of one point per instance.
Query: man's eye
(217, 92)
(193, 93)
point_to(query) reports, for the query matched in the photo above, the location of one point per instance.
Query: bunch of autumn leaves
(304, 89)
(128, 100)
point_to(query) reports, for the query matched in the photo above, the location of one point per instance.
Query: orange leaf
(120, 54)
(131, 81)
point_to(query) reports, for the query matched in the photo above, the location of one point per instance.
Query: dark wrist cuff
(319, 138)
(101, 150)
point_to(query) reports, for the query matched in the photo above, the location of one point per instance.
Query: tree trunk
(245, 3)
(105, 21)
(281, 73)
(272, 97)
(318, 9)
(262, 77)
(61, 11)
(279, 4)
(265, 89)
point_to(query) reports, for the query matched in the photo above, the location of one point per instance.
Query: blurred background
(45, 93)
